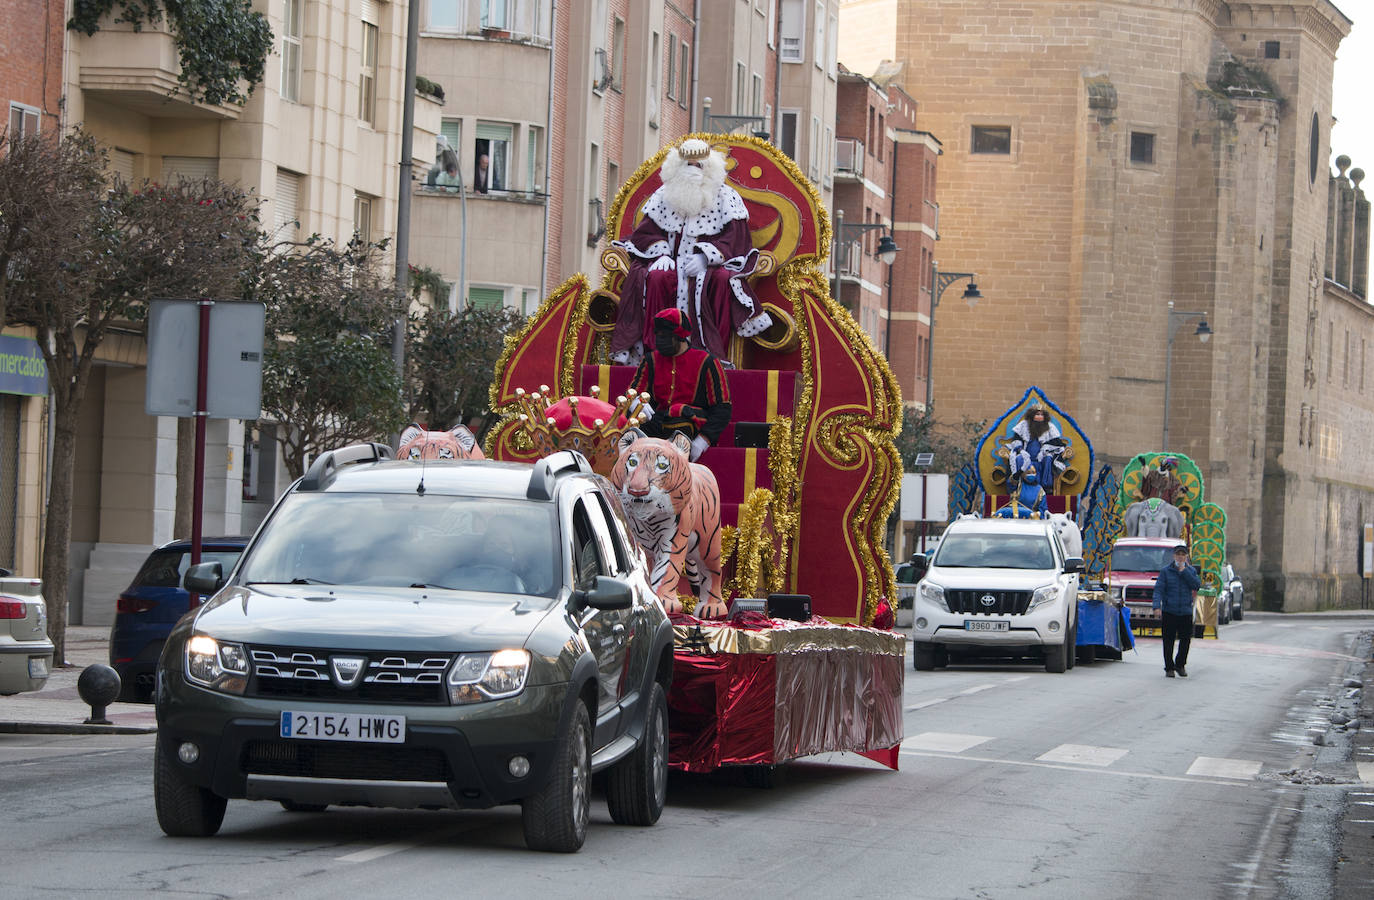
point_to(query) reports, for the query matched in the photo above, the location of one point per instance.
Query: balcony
(138, 71)
(849, 159)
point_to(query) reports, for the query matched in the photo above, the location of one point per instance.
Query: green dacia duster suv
(435, 635)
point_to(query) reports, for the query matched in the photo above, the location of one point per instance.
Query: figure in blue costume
(1027, 495)
(1036, 439)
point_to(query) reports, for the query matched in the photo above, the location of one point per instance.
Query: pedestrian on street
(1174, 591)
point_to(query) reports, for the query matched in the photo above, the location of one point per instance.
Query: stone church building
(1119, 173)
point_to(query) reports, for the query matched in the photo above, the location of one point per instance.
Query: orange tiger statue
(456, 443)
(673, 506)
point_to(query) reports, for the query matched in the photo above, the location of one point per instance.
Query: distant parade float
(769, 547)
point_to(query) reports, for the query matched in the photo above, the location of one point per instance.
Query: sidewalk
(58, 708)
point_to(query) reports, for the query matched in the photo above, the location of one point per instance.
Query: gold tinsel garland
(752, 544)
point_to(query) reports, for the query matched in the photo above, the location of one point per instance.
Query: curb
(54, 728)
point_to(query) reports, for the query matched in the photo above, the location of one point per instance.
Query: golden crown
(694, 148)
(597, 441)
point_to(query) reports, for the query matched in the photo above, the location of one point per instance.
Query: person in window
(443, 175)
(692, 251)
(686, 385)
(482, 181)
(1174, 590)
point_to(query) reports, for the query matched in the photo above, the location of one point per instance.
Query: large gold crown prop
(597, 440)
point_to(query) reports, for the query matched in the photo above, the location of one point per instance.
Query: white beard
(690, 191)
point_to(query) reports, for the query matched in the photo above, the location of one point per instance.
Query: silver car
(1231, 600)
(25, 651)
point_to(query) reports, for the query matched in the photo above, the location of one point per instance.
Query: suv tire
(1238, 613)
(555, 818)
(923, 657)
(1057, 657)
(183, 809)
(638, 785)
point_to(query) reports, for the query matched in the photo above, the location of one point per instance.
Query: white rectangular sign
(234, 384)
(925, 498)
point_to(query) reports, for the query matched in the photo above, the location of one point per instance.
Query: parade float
(800, 483)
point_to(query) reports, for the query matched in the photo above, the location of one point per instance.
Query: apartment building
(1117, 173)
(319, 141)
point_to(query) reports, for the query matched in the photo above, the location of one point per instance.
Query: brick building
(1103, 161)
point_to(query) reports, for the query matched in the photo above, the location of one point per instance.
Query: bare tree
(451, 362)
(328, 375)
(95, 268)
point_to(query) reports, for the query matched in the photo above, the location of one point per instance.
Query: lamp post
(887, 247)
(1204, 333)
(938, 282)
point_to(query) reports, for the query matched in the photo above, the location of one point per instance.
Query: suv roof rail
(325, 468)
(547, 471)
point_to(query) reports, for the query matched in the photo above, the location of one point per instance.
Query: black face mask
(665, 343)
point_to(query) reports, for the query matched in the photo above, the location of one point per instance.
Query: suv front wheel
(638, 785)
(555, 818)
(183, 809)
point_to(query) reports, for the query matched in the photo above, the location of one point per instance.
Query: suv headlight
(1047, 594)
(933, 593)
(476, 677)
(219, 665)
(1115, 593)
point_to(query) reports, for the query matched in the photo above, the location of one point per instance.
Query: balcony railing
(849, 158)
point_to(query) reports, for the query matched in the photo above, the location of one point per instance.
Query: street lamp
(938, 282)
(1204, 333)
(887, 247)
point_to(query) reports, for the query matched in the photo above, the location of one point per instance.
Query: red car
(1136, 563)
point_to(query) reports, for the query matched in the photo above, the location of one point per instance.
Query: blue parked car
(152, 604)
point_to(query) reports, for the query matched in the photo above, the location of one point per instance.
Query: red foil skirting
(825, 688)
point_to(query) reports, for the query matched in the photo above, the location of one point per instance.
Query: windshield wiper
(293, 581)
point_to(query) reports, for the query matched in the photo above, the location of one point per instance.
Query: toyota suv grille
(969, 602)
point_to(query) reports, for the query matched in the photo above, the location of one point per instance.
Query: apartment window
(672, 67)
(612, 182)
(288, 204)
(992, 139)
(772, 24)
(486, 297)
(832, 38)
(496, 14)
(757, 82)
(818, 46)
(828, 163)
(792, 29)
(881, 137)
(868, 130)
(191, 168)
(491, 156)
(618, 54)
(1270, 49)
(23, 120)
(367, 84)
(452, 131)
(741, 89)
(1142, 147)
(787, 132)
(814, 151)
(683, 69)
(291, 51)
(654, 74)
(122, 164)
(362, 217)
(445, 13)
(535, 145)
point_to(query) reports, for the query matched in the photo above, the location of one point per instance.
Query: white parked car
(25, 650)
(997, 587)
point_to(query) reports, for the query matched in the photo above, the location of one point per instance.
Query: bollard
(98, 686)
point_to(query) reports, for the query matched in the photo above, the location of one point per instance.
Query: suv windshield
(1140, 559)
(408, 540)
(993, 550)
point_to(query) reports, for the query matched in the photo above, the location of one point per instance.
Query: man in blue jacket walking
(1174, 591)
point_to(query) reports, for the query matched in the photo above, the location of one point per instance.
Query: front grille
(292, 672)
(969, 602)
(363, 762)
(1140, 594)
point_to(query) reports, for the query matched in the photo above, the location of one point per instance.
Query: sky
(1353, 134)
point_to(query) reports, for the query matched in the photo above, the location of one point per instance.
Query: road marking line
(977, 688)
(944, 742)
(1083, 754)
(378, 852)
(1015, 678)
(1217, 767)
(924, 703)
(1366, 772)
(1078, 769)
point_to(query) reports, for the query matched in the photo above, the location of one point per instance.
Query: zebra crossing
(1084, 756)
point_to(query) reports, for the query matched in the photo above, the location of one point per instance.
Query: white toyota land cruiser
(997, 587)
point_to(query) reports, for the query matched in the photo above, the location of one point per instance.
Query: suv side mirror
(609, 593)
(1073, 565)
(204, 578)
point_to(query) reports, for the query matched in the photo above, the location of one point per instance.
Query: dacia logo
(347, 671)
(988, 600)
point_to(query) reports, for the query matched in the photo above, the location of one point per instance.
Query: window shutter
(452, 130)
(288, 203)
(370, 11)
(192, 168)
(486, 298)
(486, 131)
(122, 164)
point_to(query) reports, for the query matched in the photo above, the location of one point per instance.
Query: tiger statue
(673, 506)
(456, 443)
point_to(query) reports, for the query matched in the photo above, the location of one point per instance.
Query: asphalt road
(1107, 781)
